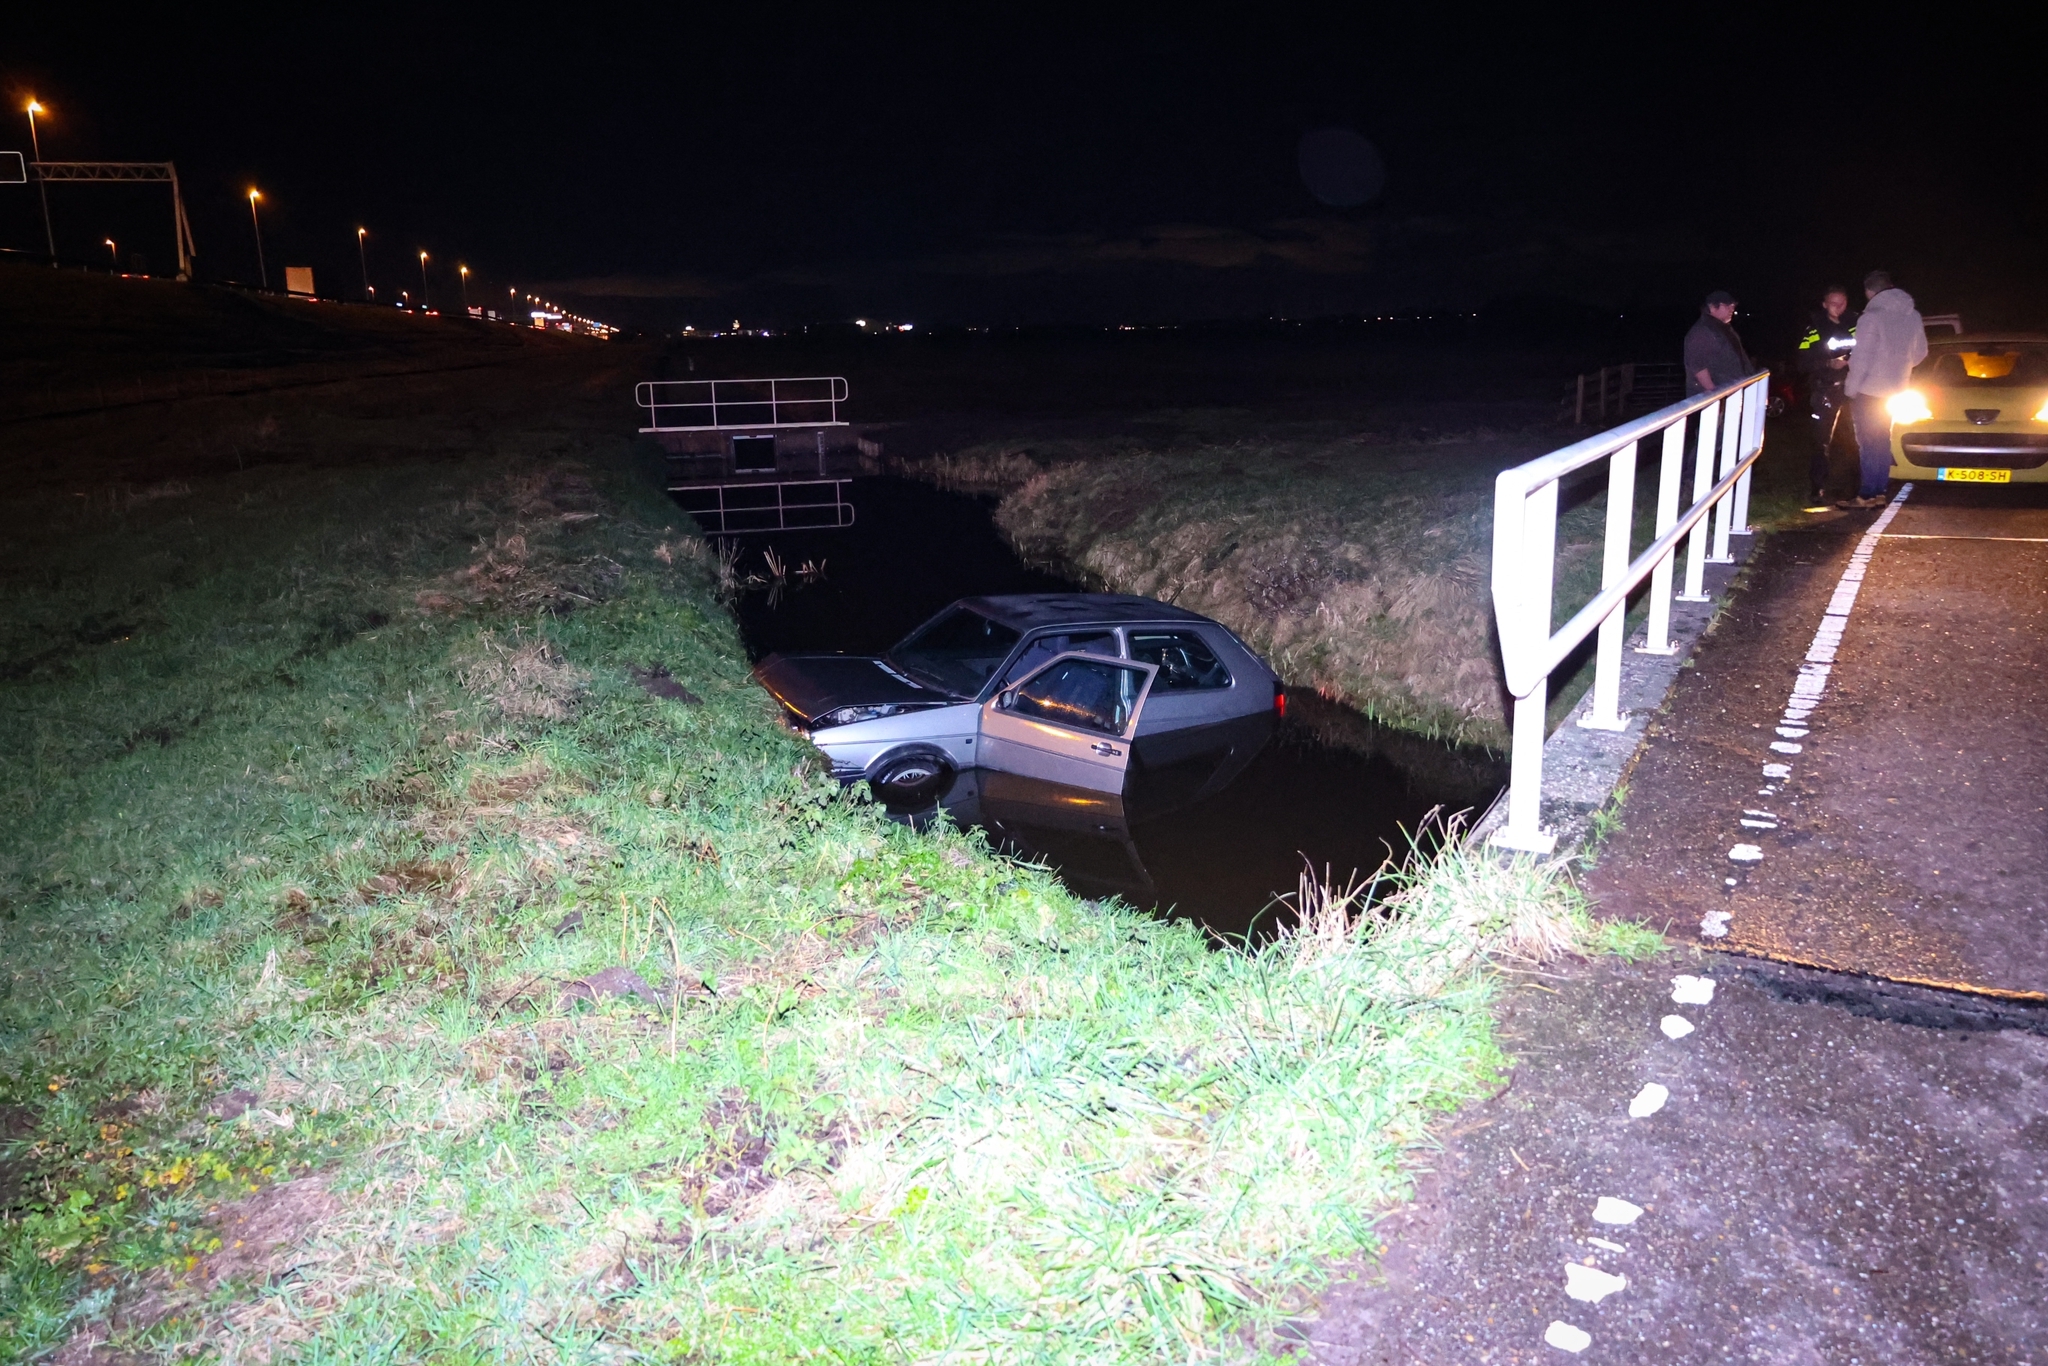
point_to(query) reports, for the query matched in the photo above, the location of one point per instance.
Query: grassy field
(1355, 556)
(423, 944)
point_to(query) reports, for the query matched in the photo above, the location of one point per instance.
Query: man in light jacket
(1890, 341)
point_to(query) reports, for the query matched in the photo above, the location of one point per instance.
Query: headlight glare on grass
(1908, 405)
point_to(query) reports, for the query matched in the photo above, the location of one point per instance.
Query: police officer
(1824, 362)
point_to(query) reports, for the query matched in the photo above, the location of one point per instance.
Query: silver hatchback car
(1061, 687)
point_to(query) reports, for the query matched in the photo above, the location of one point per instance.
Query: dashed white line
(1566, 1338)
(1807, 690)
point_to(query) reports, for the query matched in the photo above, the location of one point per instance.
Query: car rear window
(1185, 660)
(956, 650)
(1985, 366)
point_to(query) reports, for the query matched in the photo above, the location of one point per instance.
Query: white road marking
(1648, 1101)
(1566, 1338)
(1692, 991)
(1675, 1026)
(1610, 1210)
(1606, 1246)
(1810, 686)
(1926, 536)
(1590, 1283)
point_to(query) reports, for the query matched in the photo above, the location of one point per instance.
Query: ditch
(1224, 860)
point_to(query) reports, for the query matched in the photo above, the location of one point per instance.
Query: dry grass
(1357, 564)
(527, 679)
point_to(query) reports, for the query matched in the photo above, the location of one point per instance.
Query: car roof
(1030, 611)
(1998, 338)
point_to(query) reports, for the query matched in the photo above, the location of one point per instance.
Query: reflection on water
(1214, 826)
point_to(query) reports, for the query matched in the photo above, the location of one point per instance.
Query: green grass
(327, 780)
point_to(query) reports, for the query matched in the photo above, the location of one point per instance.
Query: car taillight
(1279, 699)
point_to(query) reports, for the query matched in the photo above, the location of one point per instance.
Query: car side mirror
(1006, 699)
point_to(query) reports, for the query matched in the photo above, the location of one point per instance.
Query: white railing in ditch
(696, 405)
(1730, 437)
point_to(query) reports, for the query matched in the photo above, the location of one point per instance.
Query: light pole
(369, 294)
(113, 253)
(36, 150)
(423, 282)
(261, 270)
(463, 272)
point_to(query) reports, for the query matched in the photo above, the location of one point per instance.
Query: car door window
(1185, 660)
(1041, 648)
(1086, 694)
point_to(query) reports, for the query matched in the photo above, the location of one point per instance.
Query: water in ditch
(1222, 858)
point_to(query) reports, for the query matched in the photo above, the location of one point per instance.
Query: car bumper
(1954, 452)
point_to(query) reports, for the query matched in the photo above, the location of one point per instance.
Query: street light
(36, 150)
(261, 270)
(363, 257)
(113, 253)
(423, 282)
(463, 271)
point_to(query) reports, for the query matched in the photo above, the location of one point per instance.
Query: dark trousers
(1826, 414)
(1873, 443)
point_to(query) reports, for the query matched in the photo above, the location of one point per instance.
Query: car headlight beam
(1908, 405)
(2042, 416)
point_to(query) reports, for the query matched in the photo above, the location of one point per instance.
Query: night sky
(1085, 164)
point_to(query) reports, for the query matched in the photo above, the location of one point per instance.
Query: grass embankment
(423, 944)
(1357, 562)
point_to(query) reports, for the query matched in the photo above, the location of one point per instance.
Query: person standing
(1714, 356)
(1824, 363)
(1890, 341)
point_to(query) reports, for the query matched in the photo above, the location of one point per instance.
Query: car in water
(1069, 689)
(1976, 412)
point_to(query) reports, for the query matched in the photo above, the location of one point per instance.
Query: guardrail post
(1734, 425)
(1657, 636)
(1756, 406)
(1531, 544)
(1606, 712)
(1702, 481)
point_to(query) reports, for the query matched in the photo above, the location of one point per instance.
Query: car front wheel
(905, 781)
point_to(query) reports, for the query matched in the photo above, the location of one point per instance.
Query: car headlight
(2042, 416)
(1908, 405)
(846, 716)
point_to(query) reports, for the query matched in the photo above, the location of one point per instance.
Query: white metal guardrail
(1730, 437)
(785, 505)
(697, 405)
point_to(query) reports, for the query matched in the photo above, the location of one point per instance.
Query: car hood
(811, 685)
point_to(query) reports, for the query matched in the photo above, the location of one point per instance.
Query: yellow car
(1977, 412)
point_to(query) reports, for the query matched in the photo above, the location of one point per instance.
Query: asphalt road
(1909, 839)
(1850, 1164)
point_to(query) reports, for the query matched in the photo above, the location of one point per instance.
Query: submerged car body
(1066, 688)
(1976, 412)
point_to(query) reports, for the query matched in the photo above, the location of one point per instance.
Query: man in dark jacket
(1823, 366)
(1714, 356)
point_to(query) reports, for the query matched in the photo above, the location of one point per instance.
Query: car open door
(1069, 722)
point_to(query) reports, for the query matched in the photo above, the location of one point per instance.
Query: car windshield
(1985, 365)
(956, 650)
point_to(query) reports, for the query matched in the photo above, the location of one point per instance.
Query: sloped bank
(415, 896)
(1357, 565)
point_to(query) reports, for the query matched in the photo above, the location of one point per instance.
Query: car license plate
(1975, 476)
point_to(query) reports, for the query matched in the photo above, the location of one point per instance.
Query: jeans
(1873, 443)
